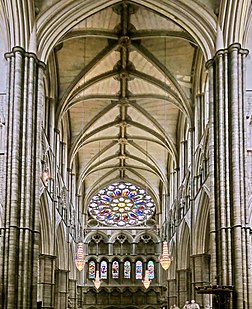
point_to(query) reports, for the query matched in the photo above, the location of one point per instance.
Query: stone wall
(2, 142)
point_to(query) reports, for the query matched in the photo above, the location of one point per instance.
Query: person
(187, 305)
(194, 305)
(174, 307)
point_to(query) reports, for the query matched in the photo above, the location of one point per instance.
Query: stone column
(61, 289)
(200, 266)
(172, 292)
(183, 286)
(110, 249)
(46, 280)
(227, 173)
(72, 288)
(133, 248)
(20, 242)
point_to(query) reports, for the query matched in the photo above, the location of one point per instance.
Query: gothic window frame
(93, 274)
(129, 272)
(138, 274)
(151, 273)
(122, 204)
(114, 274)
(104, 269)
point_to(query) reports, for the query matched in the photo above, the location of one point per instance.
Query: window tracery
(150, 267)
(115, 270)
(139, 270)
(104, 270)
(91, 270)
(127, 269)
(122, 204)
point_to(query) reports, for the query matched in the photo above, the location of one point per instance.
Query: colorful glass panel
(150, 267)
(139, 270)
(127, 269)
(91, 270)
(122, 204)
(115, 270)
(104, 270)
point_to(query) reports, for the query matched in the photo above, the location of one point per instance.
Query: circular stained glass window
(121, 204)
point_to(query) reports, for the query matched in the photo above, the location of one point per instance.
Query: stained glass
(139, 270)
(104, 270)
(122, 204)
(150, 267)
(127, 269)
(115, 270)
(91, 270)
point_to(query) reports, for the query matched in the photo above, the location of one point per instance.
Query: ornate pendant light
(97, 281)
(165, 259)
(146, 281)
(80, 256)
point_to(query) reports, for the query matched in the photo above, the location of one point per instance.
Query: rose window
(122, 204)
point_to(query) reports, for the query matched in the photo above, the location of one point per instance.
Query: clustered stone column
(73, 293)
(20, 232)
(229, 265)
(183, 285)
(47, 278)
(200, 276)
(61, 289)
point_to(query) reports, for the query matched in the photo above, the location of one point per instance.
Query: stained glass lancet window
(115, 270)
(150, 267)
(122, 204)
(139, 270)
(104, 270)
(91, 270)
(127, 269)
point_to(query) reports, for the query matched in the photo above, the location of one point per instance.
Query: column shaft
(227, 173)
(20, 241)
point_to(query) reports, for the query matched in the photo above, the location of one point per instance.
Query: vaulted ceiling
(124, 85)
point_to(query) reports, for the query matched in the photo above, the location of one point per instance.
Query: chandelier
(165, 259)
(97, 281)
(80, 257)
(146, 281)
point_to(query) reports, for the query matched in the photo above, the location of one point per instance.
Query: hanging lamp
(80, 256)
(146, 281)
(165, 259)
(97, 281)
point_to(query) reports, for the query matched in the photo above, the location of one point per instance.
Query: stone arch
(172, 248)
(199, 161)
(72, 268)
(127, 234)
(45, 226)
(88, 237)
(61, 250)
(184, 247)
(232, 18)
(5, 34)
(153, 235)
(202, 224)
(64, 17)
(4, 47)
(248, 43)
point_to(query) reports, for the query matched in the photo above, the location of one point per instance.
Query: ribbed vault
(124, 78)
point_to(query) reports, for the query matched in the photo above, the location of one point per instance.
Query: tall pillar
(227, 173)
(200, 265)
(20, 231)
(46, 280)
(61, 289)
(183, 286)
(73, 293)
(172, 292)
